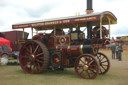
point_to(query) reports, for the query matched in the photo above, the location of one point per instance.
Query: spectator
(113, 49)
(117, 45)
(120, 50)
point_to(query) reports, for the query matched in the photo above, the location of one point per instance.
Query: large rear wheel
(86, 66)
(34, 57)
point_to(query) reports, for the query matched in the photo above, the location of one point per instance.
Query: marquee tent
(4, 41)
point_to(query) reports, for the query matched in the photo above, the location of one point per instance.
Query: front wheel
(86, 66)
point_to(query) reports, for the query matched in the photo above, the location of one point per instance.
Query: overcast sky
(15, 11)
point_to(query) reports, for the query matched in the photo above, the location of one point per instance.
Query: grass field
(117, 75)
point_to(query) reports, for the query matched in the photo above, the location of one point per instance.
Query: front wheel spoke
(98, 57)
(92, 66)
(103, 67)
(103, 61)
(92, 69)
(85, 58)
(92, 72)
(82, 71)
(100, 70)
(91, 62)
(39, 54)
(88, 74)
(79, 68)
(82, 62)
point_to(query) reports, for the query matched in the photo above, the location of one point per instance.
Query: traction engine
(58, 50)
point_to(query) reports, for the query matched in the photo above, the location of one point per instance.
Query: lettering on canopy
(56, 22)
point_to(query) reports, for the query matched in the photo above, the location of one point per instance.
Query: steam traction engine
(58, 50)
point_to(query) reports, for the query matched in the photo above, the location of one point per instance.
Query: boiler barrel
(74, 50)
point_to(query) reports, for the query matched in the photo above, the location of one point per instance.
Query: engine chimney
(89, 24)
(89, 9)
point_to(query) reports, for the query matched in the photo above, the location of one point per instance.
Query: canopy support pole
(109, 28)
(23, 34)
(32, 31)
(101, 26)
(54, 36)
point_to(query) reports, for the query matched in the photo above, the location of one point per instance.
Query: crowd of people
(117, 50)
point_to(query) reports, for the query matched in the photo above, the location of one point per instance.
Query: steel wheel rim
(89, 67)
(4, 59)
(104, 63)
(32, 57)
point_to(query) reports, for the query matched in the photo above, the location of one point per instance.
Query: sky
(16, 11)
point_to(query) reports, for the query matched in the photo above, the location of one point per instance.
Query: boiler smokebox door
(63, 40)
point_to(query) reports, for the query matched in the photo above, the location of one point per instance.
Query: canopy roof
(70, 22)
(4, 41)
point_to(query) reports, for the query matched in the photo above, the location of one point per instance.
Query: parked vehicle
(5, 53)
(15, 38)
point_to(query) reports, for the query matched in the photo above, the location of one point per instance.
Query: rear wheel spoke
(38, 65)
(26, 57)
(30, 66)
(28, 51)
(41, 58)
(39, 54)
(39, 61)
(36, 48)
